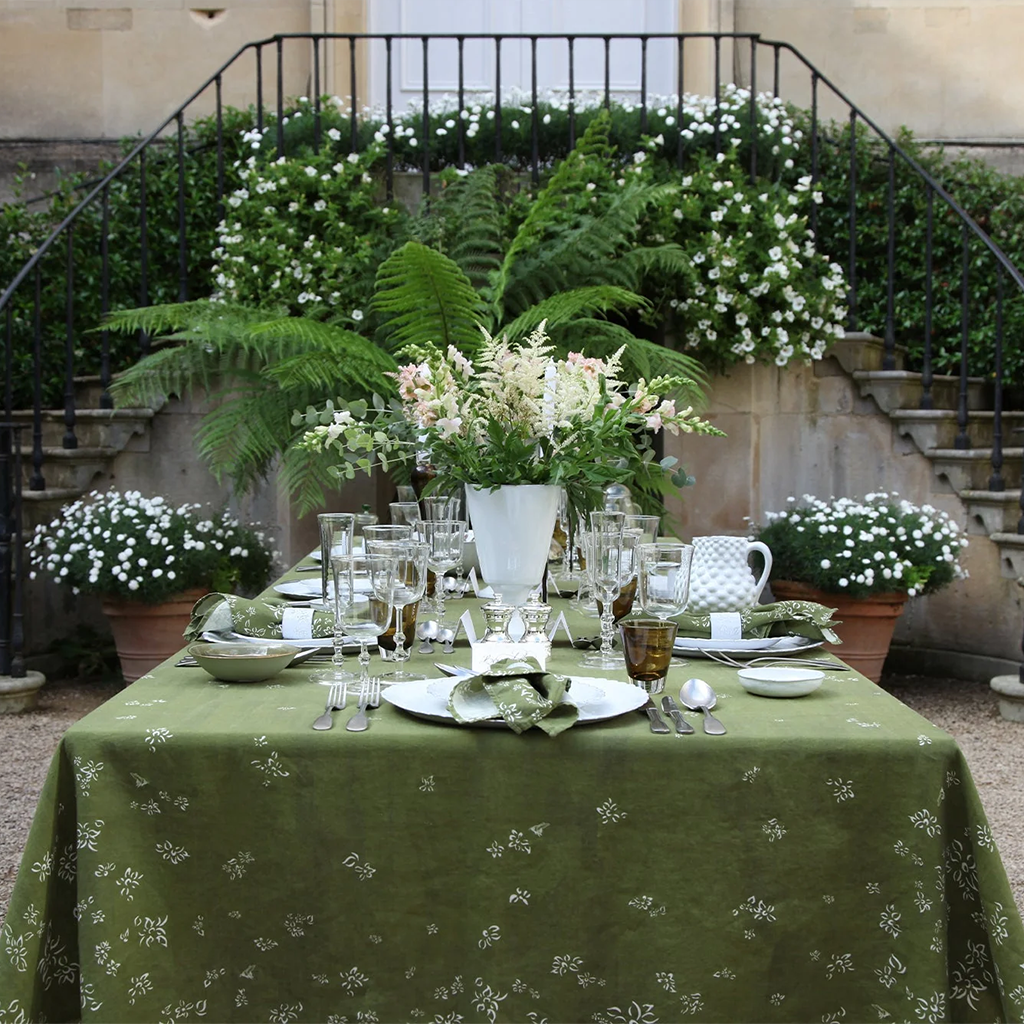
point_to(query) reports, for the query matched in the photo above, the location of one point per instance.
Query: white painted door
(562, 17)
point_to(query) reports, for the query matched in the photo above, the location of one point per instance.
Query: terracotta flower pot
(866, 624)
(146, 634)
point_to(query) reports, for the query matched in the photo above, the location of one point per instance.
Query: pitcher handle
(766, 554)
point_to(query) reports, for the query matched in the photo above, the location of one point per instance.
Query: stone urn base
(865, 624)
(20, 693)
(146, 634)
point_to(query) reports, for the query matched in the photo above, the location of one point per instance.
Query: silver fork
(781, 659)
(369, 697)
(337, 698)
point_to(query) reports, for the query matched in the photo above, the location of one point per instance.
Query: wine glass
(335, 541)
(439, 507)
(664, 578)
(647, 526)
(610, 567)
(406, 513)
(368, 582)
(446, 539)
(410, 583)
(385, 532)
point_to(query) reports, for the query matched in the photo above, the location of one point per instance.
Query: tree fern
(424, 298)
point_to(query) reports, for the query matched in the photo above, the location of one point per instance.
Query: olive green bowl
(243, 663)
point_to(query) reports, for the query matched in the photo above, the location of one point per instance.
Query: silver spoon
(426, 631)
(447, 635)
(698, 696)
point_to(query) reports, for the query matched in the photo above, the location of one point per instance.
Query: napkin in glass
(257, 618)
(782, 618)
(523, 693)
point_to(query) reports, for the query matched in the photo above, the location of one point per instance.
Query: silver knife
(454, 670)
(657, 722)
(672, 710)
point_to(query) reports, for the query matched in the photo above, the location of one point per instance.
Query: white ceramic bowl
(780, 682)
(243, 663)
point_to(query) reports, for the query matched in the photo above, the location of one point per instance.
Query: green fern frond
(577, 303)
(424, 298)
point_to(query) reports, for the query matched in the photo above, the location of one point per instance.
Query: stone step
(937, 428)
(990, 512)
(971, 468)
(1011, 554)
(94, 428)
(901, 389)
(858, 350)
(68, 469)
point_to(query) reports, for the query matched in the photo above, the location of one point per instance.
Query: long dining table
(200, 853)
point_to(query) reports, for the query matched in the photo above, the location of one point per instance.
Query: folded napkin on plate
(783, 618)
(521, 691)
(257, 618)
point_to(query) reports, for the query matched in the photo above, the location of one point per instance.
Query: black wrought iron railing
(12, 555)
(765, 65)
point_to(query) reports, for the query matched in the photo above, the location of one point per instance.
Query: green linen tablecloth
(200, 853)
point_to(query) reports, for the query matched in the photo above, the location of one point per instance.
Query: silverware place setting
(369, 697)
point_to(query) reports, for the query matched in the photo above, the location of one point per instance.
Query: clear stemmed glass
(647, 526)
(410, 583)
(406, 513)
(664, 578)
(368, 582)
(439, 507)
(335, 542)
(446, 539)
(397, 531)
(610, 566)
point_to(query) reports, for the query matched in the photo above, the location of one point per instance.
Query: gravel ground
(968, 711)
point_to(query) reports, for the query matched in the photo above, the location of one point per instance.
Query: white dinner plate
(746, 648)
(597, 699)
(312, 588)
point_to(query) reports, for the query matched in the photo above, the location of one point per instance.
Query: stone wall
(807, 430)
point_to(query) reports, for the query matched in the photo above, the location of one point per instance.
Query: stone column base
(1010, 691)
(20, 693)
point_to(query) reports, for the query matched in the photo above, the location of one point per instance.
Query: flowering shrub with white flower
(306, 233)
(879, 545)
(145, 549)
(515, 416)
(760, 290)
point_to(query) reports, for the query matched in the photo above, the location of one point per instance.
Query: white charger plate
(597, 699)
(746, 648)
(312, 588)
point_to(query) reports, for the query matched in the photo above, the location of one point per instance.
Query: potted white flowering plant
(149, 561)
(865, 557)
(515, 426)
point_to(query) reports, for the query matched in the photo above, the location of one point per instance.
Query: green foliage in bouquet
(145, 549)
(879, 545)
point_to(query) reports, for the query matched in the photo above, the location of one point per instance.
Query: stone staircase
(69, 473)
(966, 471)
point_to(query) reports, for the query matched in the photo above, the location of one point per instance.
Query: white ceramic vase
(512, 528)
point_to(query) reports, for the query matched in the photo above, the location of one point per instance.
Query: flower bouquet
(516, 415)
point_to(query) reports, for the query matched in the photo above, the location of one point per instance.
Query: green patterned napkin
(523, 693)
(783, 618)
(257, 618)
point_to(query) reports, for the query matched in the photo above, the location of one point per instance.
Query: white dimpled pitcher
(721, 579)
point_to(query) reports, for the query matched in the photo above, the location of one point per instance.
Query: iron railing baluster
(7, 444)
(36, 481)
(775, 85)
(17, 544)
(996, 481)
(353, 119)
(8, 362)
(426, 119)
(679, 101)
(497, 99)
(962, 441)
(106, 402)
(643, 83)
(182, 236)
(851, 272)
(316, 95)
(280, 95)
(534, 124)
(572, 96)
(814, 151)
(390, 168)
(259, 89)
(143, 249)
(460, 120)
(70, 440)
(220, 148)
(927, 400)
(753, 111)
(607, 72)
(889, 357)
(718, 93)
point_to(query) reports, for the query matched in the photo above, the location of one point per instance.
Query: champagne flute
(648, 527)
(610, 567)
(335, 541)
(446, 539)
(406, 513)
(410, 583)
(369, 584)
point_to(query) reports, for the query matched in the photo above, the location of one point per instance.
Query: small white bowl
(243, 663)
(780, 682)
